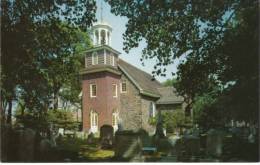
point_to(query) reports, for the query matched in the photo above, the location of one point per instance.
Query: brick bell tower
(100, 81)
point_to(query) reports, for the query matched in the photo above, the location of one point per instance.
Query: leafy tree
(169, 82)
(217, 38)
(37, 37)
(62, 119)
(231, 70)
(58, 118)
(173, 120)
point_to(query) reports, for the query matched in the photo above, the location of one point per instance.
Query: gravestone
(128, 145)
(214, 142)
(44, 149)
(90, 138)
(26, 141)
(175, 142)
(192, 145)
(61, 131)
(106, 136)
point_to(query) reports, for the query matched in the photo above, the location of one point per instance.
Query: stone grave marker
(26, 141)
(44, 149)
(214, 142)
(128, 145)
(90, 138)
(192, 145)
(106, 136)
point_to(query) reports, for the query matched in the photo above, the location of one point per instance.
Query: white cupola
(101, 34)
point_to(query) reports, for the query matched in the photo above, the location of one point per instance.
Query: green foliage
(172, 28)
(153, 120)
(205, 112)
(62, 119)
(169, 82)
(59, 118)
(39, 47)
(174, 120)
(218, 41)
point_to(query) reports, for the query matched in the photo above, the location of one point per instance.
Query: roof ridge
(140, 70)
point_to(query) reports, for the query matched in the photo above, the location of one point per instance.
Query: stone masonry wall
(145, 108)
(130, 111)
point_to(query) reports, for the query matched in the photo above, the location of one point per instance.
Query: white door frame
(93, 122)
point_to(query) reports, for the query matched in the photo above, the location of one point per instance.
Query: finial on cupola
(101, 31)
(101, 11)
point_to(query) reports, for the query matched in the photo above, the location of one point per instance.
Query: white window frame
(94, 58)
(153, 110)
(91, 92)
(113, 90)
(121, 87)
(114, 116)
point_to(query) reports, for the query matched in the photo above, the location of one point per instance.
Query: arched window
(103, 37)
(108, 38)
(152, 110)
(94, 58)
(97, 37)
(115, 117)
(123, 86)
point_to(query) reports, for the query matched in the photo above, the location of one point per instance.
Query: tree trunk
(55, 96)
(9, 115)
(3, 110)
(55, 102)
(22, 110)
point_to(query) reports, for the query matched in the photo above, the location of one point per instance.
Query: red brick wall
(104, 103)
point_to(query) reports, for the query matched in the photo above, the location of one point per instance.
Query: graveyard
(217, 145)
(129, 81)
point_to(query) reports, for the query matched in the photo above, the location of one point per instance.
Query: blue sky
(133, 57)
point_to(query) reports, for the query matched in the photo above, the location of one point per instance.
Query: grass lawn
(77, 150)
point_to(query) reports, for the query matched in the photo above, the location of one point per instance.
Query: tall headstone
(44, 149)
(106, 136)
(214, 142)
(90, 138)
(192, 145)
(26, 142)
(128, 145)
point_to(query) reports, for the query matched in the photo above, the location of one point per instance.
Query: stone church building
(115, 92)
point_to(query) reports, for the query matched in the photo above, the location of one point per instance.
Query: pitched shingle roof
(144, 81)
(169, 96)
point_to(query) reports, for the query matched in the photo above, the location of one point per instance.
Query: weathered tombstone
(159, 133)
(148, 146)
(61, 131)
(106, 136)
(120, 125)
(175, 142)
(90, 138)
(192, 145)
(146, 141)
(80, 135)
(214, 142)
(26, 141)
(196, 132)
(54, 134)
(128, 145)
(44, 149)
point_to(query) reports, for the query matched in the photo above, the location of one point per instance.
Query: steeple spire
(101, 11)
